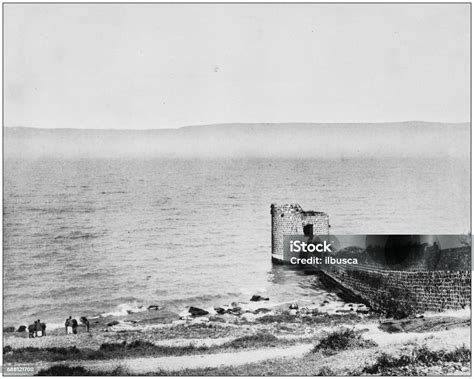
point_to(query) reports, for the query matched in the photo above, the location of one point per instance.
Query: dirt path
(146, 365)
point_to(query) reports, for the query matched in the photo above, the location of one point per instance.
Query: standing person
(85, 322)
(74, 326)
(68, 325)
(38, 328)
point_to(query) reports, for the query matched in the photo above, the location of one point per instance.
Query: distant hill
(297, 140)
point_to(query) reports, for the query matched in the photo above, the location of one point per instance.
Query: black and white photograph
(236, 189)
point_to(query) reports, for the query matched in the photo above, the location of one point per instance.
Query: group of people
(71, 324)
(37, 329)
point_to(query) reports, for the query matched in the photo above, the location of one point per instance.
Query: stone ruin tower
(291, 219)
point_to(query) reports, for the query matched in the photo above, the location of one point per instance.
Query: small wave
(50, 210)
(125, 309)
(76, 235)
(162, 201)
(204, 300)
(37, 209)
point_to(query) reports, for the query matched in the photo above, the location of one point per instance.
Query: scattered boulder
(153, 307)
(112, 323)
(194, 311)
(21, 329)
(262, 310)
(294, 306)
(9, 329)
(220, 310)
(259, 298)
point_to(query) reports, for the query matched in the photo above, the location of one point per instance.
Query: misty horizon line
(284, 123)
(290, 140)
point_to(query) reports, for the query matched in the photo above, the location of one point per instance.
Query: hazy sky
(164, 66)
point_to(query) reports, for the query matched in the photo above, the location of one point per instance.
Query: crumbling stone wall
(418, 290)
(290, 219)
(447, 288)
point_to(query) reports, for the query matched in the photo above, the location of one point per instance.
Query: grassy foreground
(342, 344)
(420, 361)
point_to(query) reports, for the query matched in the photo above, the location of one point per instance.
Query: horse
(31, 330)
(43, 328)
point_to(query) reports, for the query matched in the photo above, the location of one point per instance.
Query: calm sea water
(90, 236)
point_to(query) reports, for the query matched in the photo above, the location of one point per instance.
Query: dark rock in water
(9, 329)
(219, 310)
(262, 310)
(153, 307)
(112, 323)
(197, 311)
(258, 298)
(22, 329)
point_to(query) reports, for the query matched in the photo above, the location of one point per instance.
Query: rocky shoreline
(234, 313)
(247, 334)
